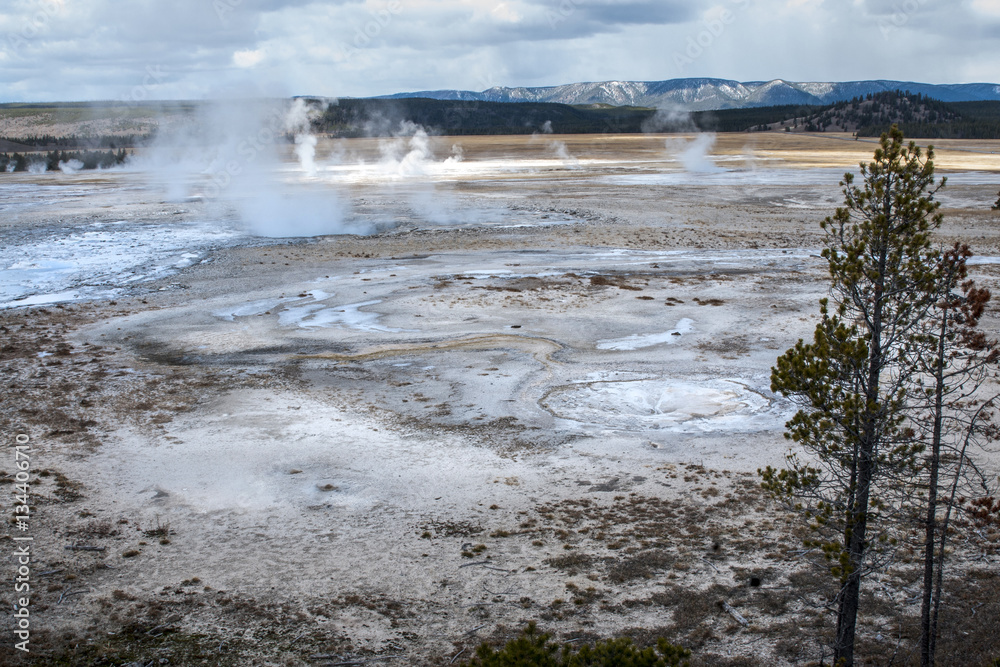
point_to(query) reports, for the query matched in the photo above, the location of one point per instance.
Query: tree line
(871, 115)
(874, 114)
(52, 160)
(46, 142)
(380, 117)
(915, 114)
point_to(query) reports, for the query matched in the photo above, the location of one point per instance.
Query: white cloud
(987, 7)
(247, 58)
(105, 48)
(505, 13)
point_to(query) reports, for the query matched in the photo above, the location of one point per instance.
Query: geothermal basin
(452, 400)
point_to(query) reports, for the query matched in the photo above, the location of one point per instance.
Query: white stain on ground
(639, 341)
(348, 316)
(682, 406)
(108, 257)
(246, 310)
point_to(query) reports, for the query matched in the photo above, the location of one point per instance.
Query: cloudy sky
(188, 49)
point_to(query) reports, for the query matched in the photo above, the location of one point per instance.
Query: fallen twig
(712, 565)
(150, 632)
(363, 662)
(885, 589)
(506, 592)
(70, 592)
(478, 627)
(456, 657)
(45, 574)
(478, 562)
(75, 547)
(735, 614)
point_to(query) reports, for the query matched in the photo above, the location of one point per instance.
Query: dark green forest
(379, 117)
(917, 116)
(369, 117)
(874, 114)
(88, 159)
(748, 120)
(977, 120)
(48, 142)
(870, 116)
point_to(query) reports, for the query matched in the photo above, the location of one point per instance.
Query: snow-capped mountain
(702, 94)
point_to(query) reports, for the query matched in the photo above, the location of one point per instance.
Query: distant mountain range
(710, 94)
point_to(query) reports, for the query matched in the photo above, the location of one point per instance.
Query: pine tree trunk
(850, 594)
(928, 629)
(856, 532)
(857, 519)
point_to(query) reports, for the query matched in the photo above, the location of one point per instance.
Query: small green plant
(533, 649)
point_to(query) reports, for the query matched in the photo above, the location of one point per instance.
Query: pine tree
(955, 363)
(852, 381)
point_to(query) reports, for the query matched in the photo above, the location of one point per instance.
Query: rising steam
(298, 122)
(231, 157)
(407, 153)
(556, 147)
(695, 154)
